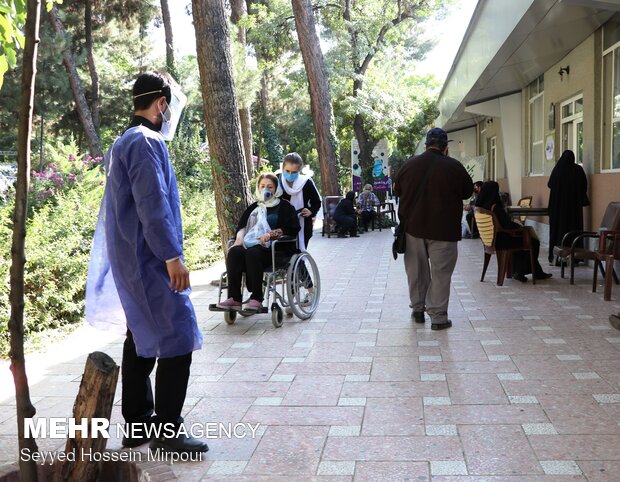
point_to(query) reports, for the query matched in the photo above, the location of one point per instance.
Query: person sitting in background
(263, 221)
(469, 216)
(367, 202)
(345, 216)
(488, 198)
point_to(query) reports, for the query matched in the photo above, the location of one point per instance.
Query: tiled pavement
(524, 387)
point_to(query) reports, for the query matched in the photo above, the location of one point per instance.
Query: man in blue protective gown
(142, 247)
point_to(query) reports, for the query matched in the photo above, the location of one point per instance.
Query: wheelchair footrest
(214, 307)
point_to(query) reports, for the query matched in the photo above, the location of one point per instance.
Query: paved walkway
(525, 386)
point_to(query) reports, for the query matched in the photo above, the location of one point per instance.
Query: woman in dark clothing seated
(345, 216)
(261, 223)
(489, 199)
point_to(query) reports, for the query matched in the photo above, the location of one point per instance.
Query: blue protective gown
(139, 228)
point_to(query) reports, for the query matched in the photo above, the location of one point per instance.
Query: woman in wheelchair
(263, 221)
(488, 198)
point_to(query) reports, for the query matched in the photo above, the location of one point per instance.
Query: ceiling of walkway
(546, 33)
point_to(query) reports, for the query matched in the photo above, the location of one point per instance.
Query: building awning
(508, 44)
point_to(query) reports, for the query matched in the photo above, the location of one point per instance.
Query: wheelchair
(292, 283)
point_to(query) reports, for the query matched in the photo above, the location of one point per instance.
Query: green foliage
(12, 21)
(412, 132)
(60, 228)
(274, 149)
(201, 246)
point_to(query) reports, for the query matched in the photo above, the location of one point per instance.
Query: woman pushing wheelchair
(262, 222)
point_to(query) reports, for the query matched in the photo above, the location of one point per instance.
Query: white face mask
(171, 116)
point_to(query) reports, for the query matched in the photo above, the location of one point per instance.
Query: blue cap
(436, 135)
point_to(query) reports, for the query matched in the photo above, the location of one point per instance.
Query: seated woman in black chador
(262, 222)
(489, 199)
(345, 216)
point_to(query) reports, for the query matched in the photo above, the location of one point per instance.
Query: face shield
(172, 115)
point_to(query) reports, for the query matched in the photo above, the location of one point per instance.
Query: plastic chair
(489, 227)
(329, 207)
(524, 202)
(569, 249)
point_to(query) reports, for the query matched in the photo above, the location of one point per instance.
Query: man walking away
(432, 187)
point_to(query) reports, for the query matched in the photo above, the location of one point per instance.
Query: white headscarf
(297, 200)
(258, 217)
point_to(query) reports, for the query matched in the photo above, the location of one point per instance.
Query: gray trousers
(429, 265)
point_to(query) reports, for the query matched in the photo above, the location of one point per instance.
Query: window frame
(613, 50)
(539, 97)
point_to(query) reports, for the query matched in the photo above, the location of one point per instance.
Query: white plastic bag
(260, 227)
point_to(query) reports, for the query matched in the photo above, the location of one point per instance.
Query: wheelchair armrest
(285, 239)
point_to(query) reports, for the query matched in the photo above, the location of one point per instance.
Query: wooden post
(94, 400)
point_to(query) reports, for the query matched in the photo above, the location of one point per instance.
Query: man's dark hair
(478, 183)
(440, 144)
(149, 87)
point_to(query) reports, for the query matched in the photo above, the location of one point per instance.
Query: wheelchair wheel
(303, 285)
(276, 315)
(230, 317)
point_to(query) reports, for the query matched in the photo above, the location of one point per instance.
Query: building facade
(531, 79)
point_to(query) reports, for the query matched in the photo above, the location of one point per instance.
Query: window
(492, 158)
(572, 126)
(611, 108)
(537, 119)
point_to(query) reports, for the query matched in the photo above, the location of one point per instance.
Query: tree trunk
(238, 10)
(170, 64)
(76, 87)
(230, 176)
(94, 400)
(92, 67)
(320, 100)
(25, 409)
(366, 144)
(245, 119)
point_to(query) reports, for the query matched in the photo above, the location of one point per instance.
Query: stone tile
(599, 471)
(251, 369)
(560, 467)
(522, 399)
(575, 447)
(344, 431)
(336, 468)
(498, 450)
(448, 467)
(314, 390)
(395, 369)
(391, 471)
(393, 416)
(432, 430)
(539, 429)
(578, 414)
(351, 402)
(484, 414)
(393, 449)
(288, 451)
(475, 389)
(313, 416)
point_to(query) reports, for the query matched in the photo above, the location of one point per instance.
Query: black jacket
(287, 221)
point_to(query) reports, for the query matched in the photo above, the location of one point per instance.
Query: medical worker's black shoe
(180, 444)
